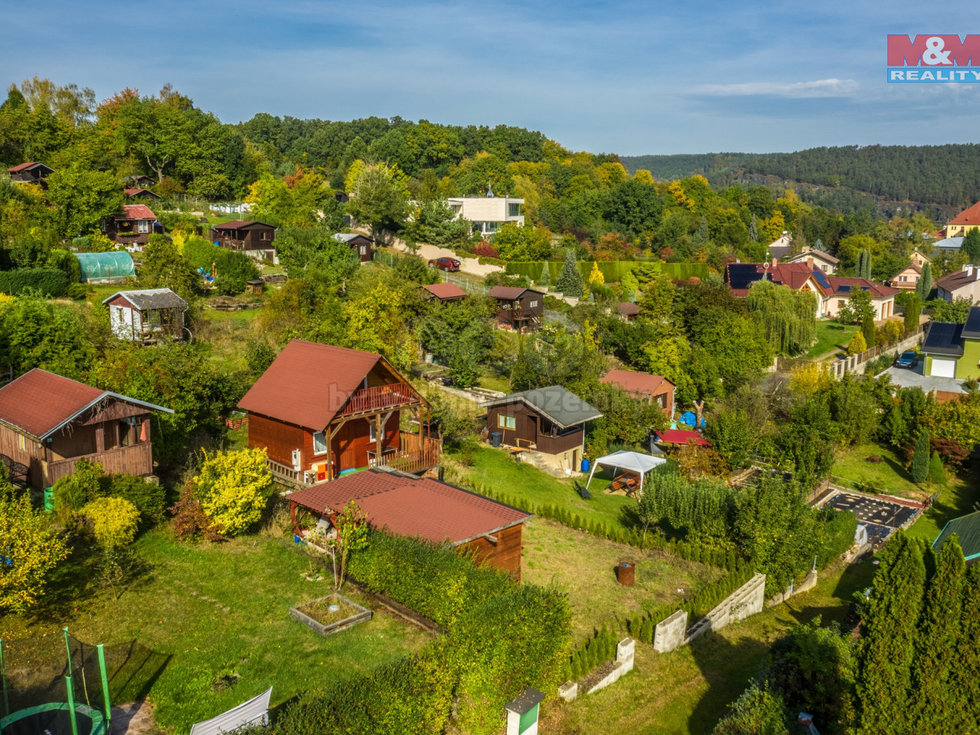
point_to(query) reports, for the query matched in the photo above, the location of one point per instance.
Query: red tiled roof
(969, 216)
(22, 167)
(409, 506)
(878, 291)
(445, 291)
(793, 275)
(627, 308)
(39, 401)
(681, 436)
(308, 383)
(239, 225)
(633, 382)
(136, 211)
(958, 279)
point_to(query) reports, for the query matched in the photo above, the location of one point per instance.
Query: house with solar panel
(797, 276)
(839, 289)
(953, 350)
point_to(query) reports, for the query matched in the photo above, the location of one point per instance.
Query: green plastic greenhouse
(105, 267)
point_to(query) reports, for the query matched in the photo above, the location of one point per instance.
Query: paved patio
(913, 378)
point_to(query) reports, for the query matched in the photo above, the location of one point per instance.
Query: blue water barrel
(585, 464)
(495, 439)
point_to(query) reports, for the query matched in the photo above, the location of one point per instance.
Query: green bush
(149, 498)
(48, 281)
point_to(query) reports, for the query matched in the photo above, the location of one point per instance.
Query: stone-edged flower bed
(321, 616)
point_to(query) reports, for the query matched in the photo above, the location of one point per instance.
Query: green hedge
(49, 281)
(612, 270)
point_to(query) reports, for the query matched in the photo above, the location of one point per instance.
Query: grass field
(688, 690)
(494, 470)
(831, 336)
(583, 566)
(212, 626)
(958, 498)
(887, 476)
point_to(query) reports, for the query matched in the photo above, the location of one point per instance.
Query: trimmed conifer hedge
(48, 281)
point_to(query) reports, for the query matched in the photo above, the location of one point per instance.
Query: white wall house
(488, 213)
(146, 315)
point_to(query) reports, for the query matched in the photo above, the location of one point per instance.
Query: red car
(445, 264)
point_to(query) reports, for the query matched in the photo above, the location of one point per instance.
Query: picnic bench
(630, 484)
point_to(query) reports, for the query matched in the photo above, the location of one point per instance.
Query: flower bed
(330, 614)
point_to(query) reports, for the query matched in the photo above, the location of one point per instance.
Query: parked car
(445, 264)
(906, 359)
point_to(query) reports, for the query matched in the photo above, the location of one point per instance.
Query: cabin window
(506, 422)
(533, 305)
(319, 442)
(144, 227)
(363, 249)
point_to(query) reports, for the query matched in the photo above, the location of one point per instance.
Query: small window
(363, 249)
(506, 422)
(533, 305)
(513, 210)
(144, 226)
(319, 442)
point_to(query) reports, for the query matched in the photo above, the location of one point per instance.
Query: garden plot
(881, 516)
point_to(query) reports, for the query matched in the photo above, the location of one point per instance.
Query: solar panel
(844, 288)
(972, 326)
(742, 275)
(944, 338)
(821, 278)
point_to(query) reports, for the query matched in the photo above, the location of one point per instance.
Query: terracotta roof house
(907, 278)
(821, 259)
(255, 239)
(964, 283)
(840, 289)
(30, 173)
(967, 530)
(48, 423)
(423, 508)
(953, 350)
(968, 219)
(320, 411)
(362, 245)
(628, 310)
(144, 195)
(645, 386)
(444, 292)
(518, 308)
(133, 226)
(146, 315)
(918, 258)
(547, 422)
(797, 276)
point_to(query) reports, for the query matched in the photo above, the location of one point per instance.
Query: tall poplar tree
(924, 285)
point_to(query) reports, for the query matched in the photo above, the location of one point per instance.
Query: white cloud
(816, 88)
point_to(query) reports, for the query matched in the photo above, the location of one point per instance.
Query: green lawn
(212, 628)
(688, 690)
(853, 469)
(957, 498)
(499, 474)
(583, 566)
(831, 336)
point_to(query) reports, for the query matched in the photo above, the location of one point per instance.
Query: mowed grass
(688, 690)
(958, 497)
(495, 470)
(831, 336)
(583, 567)
(888, 476)
(206, 626)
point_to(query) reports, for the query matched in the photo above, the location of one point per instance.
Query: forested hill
(944, 177)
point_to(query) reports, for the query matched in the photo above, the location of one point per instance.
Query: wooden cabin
(140, 195)
(404, 505)
(133, 227)
(627, 310)
(147, 315)
(518, 308)
(140, 181)
(644, 387)
(443, 292)
(547, 421)
(48, 423)
(30, 173)
(321, 411)
(362, 246)
(255, 239)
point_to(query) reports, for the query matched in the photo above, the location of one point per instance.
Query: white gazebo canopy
(630, 461)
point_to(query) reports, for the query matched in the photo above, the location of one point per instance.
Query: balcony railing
(133, 460)
(378, 397)
(416, 454)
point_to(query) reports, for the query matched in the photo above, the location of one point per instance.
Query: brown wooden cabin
(644, 387)
(134, 226)
(253, 238)
(30, 173)
(363, 246)
(321, 411)
(628, 310)
(48, 423)
(422, 508)
(140, 181)
(140, 195)
(548, 421)
(518, 308)
(443, 292)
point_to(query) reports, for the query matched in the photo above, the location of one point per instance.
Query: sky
(609, 77)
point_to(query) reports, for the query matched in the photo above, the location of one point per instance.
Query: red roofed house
(797, 276)
(252, 238)
(322, 411)
(968, 219)
(427, 509)
(907, 278)
(134, 226)
(882, 297)
(30, 173)
(444, 292)
(48, 423)
(645, 386)
(518, 308)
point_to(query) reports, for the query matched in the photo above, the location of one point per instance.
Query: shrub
(148, 497)
(114, 522)
(75, 490)
(857, 345)
(485, 249)
(48, 281)
(234, 488)
(190, 520)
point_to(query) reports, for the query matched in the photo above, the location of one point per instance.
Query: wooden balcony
(379, 398)
(415, 454)
(133, 460)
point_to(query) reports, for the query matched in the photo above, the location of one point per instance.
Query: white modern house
(488, 213)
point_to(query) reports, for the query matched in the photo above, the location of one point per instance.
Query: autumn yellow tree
(595, 277)
(29, 550)
(234, 488)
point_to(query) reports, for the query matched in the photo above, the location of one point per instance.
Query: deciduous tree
(31, 549)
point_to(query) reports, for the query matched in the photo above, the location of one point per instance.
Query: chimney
(809, 263)
(969, 270)
(775, 262)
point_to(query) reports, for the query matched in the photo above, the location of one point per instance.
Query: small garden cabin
(255, 239)
(146, 315)
(362, 246)
(518, 308)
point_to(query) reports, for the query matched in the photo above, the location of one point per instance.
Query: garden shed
(106, 267)
(146, 315)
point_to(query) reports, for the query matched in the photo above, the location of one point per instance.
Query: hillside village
(385, 426)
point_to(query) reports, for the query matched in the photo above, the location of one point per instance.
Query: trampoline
(54, 719)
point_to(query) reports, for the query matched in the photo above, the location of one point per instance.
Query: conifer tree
(913, 307)
(924, 286)
(868, 329)
(939, 630)
(857, 344)
(889, 624)
(545, 278)
(570, 280)
(971, 246)
(920, 458)
(965, 681)
(937, 473)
